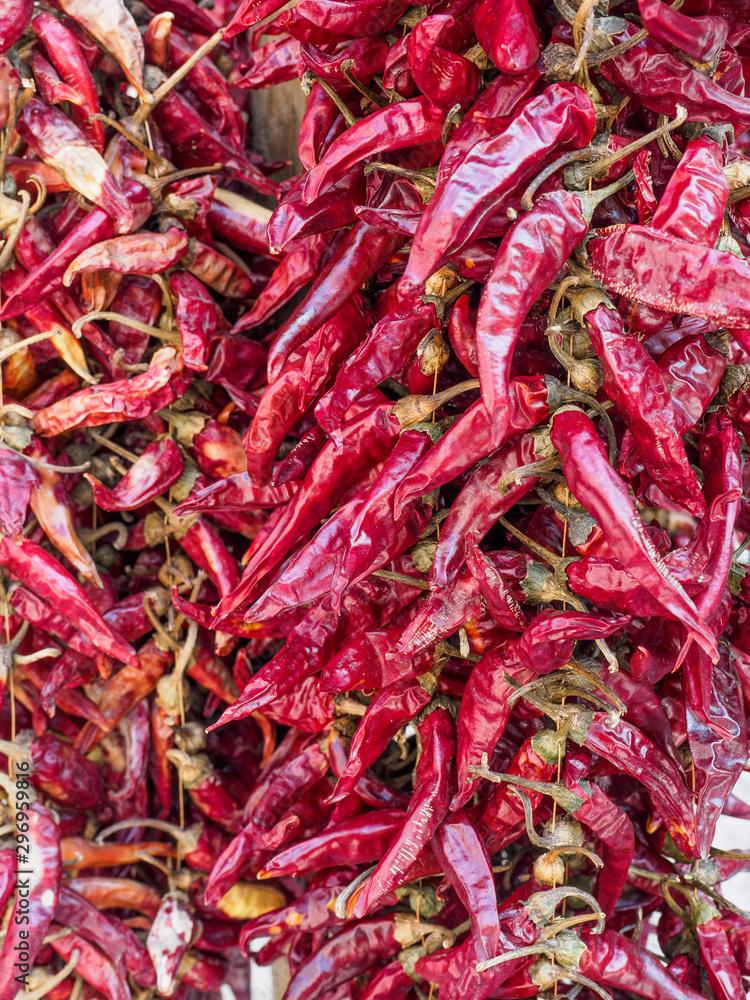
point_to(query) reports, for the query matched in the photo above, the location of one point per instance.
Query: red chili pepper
(702, 38)
(196, 143)
(466, 862)
(51, 87)
(66, 55)
(159, 466)
(511, 39)
(482, 500)
(603, 494)
(661, 81)
(545, 646)
(138, 396)
(718, 747)
(691, 208)
(531, 254)
(614, 960)
(392, 708)
(635, 384)
(363, 250)
(625, 258)
(64, 147)
(44, 575)
(360, 840)
(494, 167)
(92, 966)
(433, 787)
(305, 376)
(147, 253)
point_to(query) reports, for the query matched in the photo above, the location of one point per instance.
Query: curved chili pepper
(648, 265)
(464, 857)
(306, 375)
(15, 21)
(44, 575)
(360, 840)
(561, 116)
(433, 786)
(444, 76)
(50, 86)
(92, 966)
(718, 748)
(138, 397)
(614, 960)
(68, 59)
(62, 145)
(159, 466)
(691, 208)
(692, 370)
(634, 383)
(702, 38)
(598, 487)
(363, 250)
(147, 253)
(661, 81)
(391, 709)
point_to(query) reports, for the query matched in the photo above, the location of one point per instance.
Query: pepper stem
(547, 974)
(345, 895)
(144, 110)
(49, 984)
(548, 556)
(153, 331)
(414, 409)
(179, 834)
(575, 667)
(566, 922)
(542, 905)
(566, 799)
(7, 251)
(590, 201)
(555, 852)
(581, 177)
(545, 948)
(539, 468)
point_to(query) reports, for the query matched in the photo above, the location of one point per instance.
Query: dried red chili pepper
(562, 115)
(601, 491)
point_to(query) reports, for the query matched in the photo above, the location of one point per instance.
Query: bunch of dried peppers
(373, 587)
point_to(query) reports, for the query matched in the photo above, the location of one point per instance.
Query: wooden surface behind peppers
(372, 540)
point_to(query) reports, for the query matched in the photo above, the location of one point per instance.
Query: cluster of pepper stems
(372, 563)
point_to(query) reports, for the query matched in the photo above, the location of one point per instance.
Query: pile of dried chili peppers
(374, 589)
